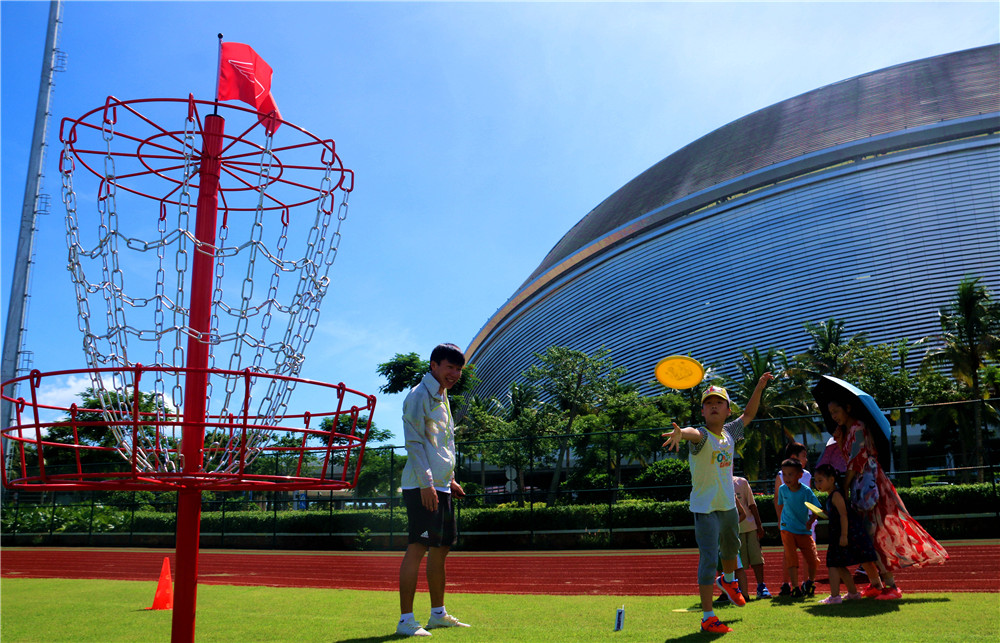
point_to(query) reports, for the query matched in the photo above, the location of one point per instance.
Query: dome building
(866, 200)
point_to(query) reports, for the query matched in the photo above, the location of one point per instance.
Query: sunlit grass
(109, 611)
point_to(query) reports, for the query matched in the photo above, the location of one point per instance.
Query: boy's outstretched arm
(750, 412)
(674, 437)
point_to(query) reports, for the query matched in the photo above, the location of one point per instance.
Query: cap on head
(717, 391)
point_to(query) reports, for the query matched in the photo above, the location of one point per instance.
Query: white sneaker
(411, 628)
(444, 621)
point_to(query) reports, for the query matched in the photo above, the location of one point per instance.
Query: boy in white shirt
(713, 498)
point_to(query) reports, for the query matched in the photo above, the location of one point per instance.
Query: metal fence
(604, 468)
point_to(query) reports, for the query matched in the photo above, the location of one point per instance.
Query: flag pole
(218, 73)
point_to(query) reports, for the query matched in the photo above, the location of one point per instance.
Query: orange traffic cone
(164, 599)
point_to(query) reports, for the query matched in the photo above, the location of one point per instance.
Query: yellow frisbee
(679, 372)
(816, 510)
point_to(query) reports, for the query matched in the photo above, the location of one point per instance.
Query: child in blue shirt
(796, 526)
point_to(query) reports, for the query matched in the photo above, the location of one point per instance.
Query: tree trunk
(554, 485)
(563, 452)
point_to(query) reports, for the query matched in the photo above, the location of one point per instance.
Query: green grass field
(108, 611)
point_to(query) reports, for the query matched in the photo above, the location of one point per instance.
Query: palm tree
(970, 336)
(832, 352)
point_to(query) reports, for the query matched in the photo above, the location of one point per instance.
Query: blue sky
(479, 132)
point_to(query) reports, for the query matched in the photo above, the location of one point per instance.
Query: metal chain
(214, 330)
(276, 260)
(246, 288)
(230, 321)
(67, 167)
(322, 262)
(178, 314)
(181, 261)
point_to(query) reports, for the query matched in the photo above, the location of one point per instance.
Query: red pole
(196, 382)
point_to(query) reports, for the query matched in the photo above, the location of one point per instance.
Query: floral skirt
(899, 539)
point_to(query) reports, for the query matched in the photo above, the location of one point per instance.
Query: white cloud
(55, 395)
(59, 392)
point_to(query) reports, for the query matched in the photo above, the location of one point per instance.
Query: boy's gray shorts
(718, 536)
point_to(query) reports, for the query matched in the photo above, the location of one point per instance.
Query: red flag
(243, 75)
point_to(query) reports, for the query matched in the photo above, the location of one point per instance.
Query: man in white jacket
(428, 488)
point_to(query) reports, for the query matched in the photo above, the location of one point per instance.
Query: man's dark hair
(793, 463)
(448, 352)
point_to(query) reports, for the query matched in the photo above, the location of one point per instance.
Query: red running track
(974, 566)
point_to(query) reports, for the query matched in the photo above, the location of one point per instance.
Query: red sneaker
(715, 626)
(732, 590)
(871, 591)
(889, 594)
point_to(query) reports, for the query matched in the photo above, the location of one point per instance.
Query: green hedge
(921, 501)
(61, 519)
(627, 513)
(957, 499)
(294, 522)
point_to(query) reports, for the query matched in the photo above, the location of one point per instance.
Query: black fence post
(457, 505)
(904, 450)
(531, 490)
(52, 517)
(90, 526)
(611, 493)
(988, 456)
(329, 511)
(392, 494)
(131, 518)
(222, 527)
(17, 514)
(274, 507)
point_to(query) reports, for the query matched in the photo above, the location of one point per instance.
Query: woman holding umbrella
(898, 537)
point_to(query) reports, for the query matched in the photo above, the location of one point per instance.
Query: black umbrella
(863, 408)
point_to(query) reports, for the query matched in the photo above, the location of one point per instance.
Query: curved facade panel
(718, 248)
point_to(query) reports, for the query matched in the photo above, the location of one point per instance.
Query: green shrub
(583, 479)
(154, 522)
(473, 493)
(664, 541)
(27, 520)
(645, 513)
(668, 479)
(950, 499)
(67, 519)
(363, 539)
(107, 520)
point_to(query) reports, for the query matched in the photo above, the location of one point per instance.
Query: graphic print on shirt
(723, 459)
(438, 422)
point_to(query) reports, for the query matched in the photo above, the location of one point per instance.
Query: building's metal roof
(911, 95)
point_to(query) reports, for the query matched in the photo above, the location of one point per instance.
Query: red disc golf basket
(194, 313)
